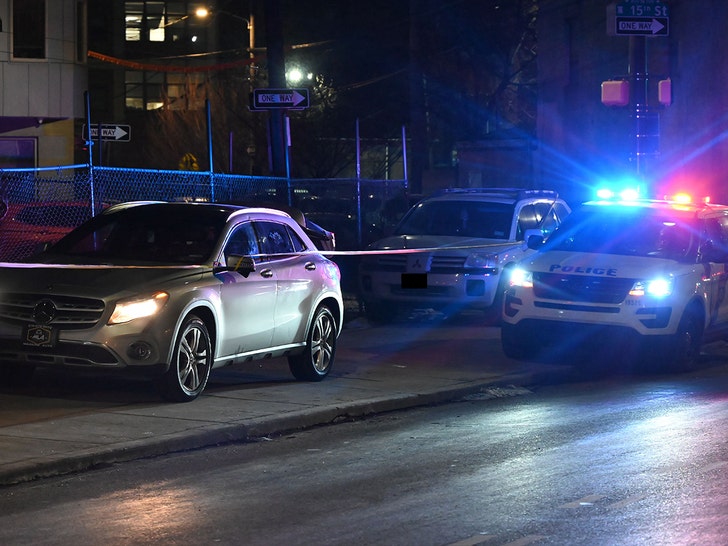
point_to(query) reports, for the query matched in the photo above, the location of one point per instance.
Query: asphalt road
(619, 461)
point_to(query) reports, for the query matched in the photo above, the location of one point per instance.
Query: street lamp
(296, 75)
(249, 26)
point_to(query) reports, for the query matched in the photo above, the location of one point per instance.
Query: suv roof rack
(508, 193)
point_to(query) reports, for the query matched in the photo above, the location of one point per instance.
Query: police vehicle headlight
(521, 278)
(127, 310)
(482, 260)
(658, 288)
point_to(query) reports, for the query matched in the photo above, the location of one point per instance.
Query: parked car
(174, 290)
(644, 279)
(27, 227)
(450, 250)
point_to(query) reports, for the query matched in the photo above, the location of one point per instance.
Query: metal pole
(230, 152)
(90, 144)
(287, 144)
(638, 73)
(209, 149)
(359, 222)
(404, 156)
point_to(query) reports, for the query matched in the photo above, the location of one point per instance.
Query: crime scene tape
(425, 250)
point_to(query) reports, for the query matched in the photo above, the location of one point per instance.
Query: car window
(242, 242)
(298, 244)
(273, 239)
(528, 218)
(173, 234)
(479, 219)
(629, 232)
(545, 216)
(716, 233)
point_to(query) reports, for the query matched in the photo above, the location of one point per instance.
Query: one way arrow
(118, 133)
(656, 26)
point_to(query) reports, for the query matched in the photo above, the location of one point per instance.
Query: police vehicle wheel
(686, 344)
(494, 313)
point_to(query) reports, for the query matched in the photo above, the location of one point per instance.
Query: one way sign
(642, 26)
(280, 98)
(117, 133)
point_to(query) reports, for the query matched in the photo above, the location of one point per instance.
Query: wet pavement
(65, 422)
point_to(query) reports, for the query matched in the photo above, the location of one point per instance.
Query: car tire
(516, 344)
(494, 313)
(686, 344)
(191, 363)
(315, 362)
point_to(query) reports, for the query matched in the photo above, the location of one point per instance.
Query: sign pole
(643, 130)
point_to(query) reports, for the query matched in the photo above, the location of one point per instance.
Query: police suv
(642, 281)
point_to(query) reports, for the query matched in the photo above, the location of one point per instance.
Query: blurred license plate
(414, 280)
(38, 335)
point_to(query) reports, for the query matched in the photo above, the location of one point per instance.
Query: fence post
(209, 150)
(359, 223)
(90, 144)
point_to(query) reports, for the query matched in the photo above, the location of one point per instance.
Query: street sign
(280, 98)
(117, 133)
(642, 26)
(641, 8)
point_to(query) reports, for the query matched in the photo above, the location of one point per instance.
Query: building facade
(43, 74)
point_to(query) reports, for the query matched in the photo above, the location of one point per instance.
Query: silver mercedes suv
(175, 290)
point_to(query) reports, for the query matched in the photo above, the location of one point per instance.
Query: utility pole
(637, 20)
(276, 80)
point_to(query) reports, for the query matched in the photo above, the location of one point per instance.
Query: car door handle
(310, 266)
(266, 273)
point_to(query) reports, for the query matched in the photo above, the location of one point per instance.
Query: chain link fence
(39, 206)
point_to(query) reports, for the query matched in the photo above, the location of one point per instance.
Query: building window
(18, 153)
(29, 29)
(154, 90)
(156, 21)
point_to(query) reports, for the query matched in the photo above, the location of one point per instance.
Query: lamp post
(249, 26)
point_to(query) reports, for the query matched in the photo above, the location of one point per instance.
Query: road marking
(482, 539)
(530, 539)
(473, 541)
(715, 466)
(585, 501)
(626, 502)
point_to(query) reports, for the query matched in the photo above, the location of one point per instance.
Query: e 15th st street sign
(638, 18)
(266, 99)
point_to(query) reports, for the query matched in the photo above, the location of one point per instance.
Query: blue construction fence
(38, 206)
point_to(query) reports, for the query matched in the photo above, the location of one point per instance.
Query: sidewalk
(50, 430)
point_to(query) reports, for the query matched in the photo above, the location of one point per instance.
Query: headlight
(481, 260)
(521, 277)
(127, 310)
(658, 288)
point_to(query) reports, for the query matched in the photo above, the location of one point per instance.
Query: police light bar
(627, 194)
(684, 198)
